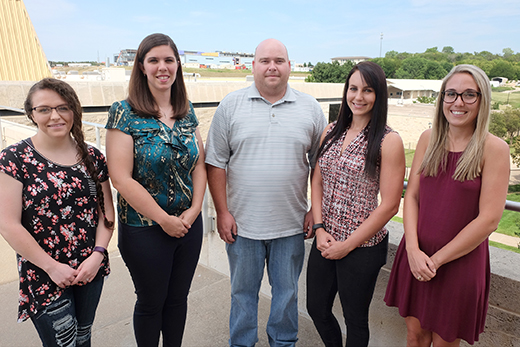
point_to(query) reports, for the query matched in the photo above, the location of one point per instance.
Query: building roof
(351, 58)
(405, 85)
(21, 56)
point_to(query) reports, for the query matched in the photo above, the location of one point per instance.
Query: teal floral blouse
(164, 159)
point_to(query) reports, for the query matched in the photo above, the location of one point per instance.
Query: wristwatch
(317, 226)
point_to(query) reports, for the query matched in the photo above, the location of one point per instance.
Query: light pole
(381, 46)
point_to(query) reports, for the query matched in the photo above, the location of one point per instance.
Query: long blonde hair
(469, 165)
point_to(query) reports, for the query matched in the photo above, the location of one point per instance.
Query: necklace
(166, 114)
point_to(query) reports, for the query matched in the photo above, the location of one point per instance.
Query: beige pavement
(207, 321)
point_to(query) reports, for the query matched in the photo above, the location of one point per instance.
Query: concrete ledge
(91, 93)
(104, 93)
(386, 325)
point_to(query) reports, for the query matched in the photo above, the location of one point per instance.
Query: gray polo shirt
(266, 150)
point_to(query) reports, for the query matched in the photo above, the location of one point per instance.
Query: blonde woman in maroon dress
(454, 200)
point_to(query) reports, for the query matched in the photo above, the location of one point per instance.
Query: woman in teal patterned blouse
(155, 158)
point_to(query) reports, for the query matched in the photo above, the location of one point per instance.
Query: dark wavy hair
(139, 95)
(374, 76)
(67, 93)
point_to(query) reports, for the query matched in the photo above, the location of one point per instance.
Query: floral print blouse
(349, 195)
(164, 159)
(60, 211)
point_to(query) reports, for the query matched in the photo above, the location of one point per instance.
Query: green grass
(397, 219)
(514, 98)
(510, 222)
(409, 153)
(491, 243)
(501, 89)
(231, 73)
(506, 247)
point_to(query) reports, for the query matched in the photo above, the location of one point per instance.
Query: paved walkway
(207, 323)
(505, 239)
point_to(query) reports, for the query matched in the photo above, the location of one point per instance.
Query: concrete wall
(91, 93)
(104, 93)
(387, 327)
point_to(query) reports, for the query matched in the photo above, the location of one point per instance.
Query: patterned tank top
(349, 194)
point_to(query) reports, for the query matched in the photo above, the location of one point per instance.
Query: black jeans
(162, 269)
(354, 278)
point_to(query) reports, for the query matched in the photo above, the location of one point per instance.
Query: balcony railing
(510, 205)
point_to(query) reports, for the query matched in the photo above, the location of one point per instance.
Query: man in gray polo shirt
(259, 149)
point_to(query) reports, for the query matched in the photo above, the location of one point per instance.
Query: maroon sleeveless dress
(454, 303)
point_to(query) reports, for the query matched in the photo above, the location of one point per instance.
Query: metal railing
(510, 205)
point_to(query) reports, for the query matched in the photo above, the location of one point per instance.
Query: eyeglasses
(469, 96)
(63, 110)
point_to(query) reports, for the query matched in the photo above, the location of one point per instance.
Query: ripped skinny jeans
(67, 322)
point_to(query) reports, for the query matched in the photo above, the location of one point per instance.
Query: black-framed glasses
(469, 96)
(63, 110)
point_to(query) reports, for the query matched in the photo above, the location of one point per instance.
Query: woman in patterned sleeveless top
(359, 157)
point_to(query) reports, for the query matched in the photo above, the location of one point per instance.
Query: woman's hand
(421, 266)
(89, 268)
(189, 216)
(336, 250)
(62, 274)
(175, 226)
(323, 240)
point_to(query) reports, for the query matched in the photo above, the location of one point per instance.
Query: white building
(343, 60)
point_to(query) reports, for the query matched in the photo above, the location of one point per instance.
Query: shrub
(426, 99)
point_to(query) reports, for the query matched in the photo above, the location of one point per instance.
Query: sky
(312, 30)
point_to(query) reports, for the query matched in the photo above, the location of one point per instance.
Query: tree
(389, 65)
(446, 65)
(434, 71)
(502, 68)
(330, 72)
(517, 71)
(433, 54)
(391, 54)
(507, 52)
(420, 68)
(412, 68)
(512, 122)
(512, 126)
(497, 124)
(447, 50)
(485, 65)
(486, 55)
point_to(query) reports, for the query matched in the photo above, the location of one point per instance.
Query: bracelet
(317, 226)
(99, 249)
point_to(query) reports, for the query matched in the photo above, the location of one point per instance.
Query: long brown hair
(67, 93)
(375, 78)
(139, 95)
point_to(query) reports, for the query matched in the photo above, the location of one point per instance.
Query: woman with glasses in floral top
(56, 212)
